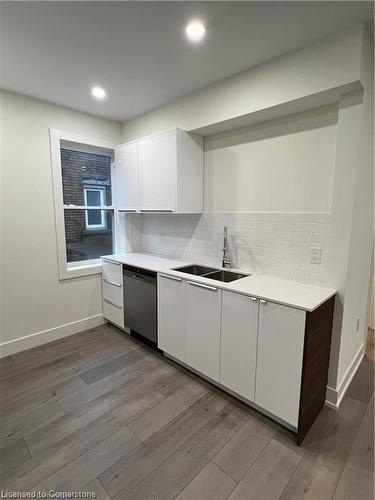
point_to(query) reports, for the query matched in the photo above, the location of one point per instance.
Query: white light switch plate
(315, 255)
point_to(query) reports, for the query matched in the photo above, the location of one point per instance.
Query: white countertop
(290, 293)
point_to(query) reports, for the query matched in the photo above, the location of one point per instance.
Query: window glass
(81, 171)
(83, 242)
(93, 197)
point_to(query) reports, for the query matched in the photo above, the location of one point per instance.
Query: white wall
(327, 64)
(359, 274)
(33, 298)
(371, 319)
(285, 165)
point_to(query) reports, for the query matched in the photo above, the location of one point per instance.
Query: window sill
(79, 269)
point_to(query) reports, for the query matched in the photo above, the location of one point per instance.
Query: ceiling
(56, 51)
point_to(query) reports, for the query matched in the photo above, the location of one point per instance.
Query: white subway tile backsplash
(273, 243)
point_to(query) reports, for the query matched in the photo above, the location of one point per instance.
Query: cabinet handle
(127, 210)
(202, 286)
(155, 210)
(254, 299)
(262, 301)
(112, 283)
(170, 277)
(112, 262)
(112, 303)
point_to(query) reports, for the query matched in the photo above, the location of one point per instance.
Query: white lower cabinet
(250, 346)
(203, 322)
(239, 331)
(113, 293)
(171, 316)
(113, 312)
(279, 360)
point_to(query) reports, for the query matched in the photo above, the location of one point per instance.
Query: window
(82, 175)
(95, 219)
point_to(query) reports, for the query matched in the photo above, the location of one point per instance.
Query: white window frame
(76, 142)
(101, 190)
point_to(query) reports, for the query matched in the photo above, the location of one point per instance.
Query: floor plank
(160, 415)
(43, 375)
(13, 455)
(362, 386)
(172, 384)
(88, 466)
(210, 484)
(109, 383)
(25, 403)
(49, 434)
(243, 449)
(176, 472)
(96, 487)
(357, 479)
(269, 475)
(327, 448)
(55, 457)
(127, 473)
(112, 366)
(14, 429)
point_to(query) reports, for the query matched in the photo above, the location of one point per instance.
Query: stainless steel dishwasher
(140, 305)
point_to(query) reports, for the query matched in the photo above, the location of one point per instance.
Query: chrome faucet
(227, 261)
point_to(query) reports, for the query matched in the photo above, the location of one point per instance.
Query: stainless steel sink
(226, 276)
(195, 269)
(211, 273)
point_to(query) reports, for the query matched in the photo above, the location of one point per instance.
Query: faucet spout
(226, 261)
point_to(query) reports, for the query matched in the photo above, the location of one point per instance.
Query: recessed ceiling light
(195, 30)
(98, 92)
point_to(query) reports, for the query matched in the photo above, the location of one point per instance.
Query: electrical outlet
(162, 237)
(315, 255)
(358, 323)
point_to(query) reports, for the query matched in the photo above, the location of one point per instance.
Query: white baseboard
(58, 332)
(334, 396)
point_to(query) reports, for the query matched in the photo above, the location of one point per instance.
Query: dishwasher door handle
(138, 276)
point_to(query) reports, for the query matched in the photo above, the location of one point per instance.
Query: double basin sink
(211, 273)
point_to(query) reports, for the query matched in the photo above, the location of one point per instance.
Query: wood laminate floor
(100, 412)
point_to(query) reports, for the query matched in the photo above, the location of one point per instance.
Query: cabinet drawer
(112, 271)
(112, 292)
(113, 313)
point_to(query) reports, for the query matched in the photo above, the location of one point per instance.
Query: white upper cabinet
(161, 173)
(158, 172)
(203, 321)
(126, 161)
(239, 331)
(171, 316)
(281, 336)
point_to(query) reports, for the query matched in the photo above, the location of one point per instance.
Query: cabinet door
(203, 323)
(239, 329)
(281, 334)
(126, 161)
(157, 156)
(171, 316)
